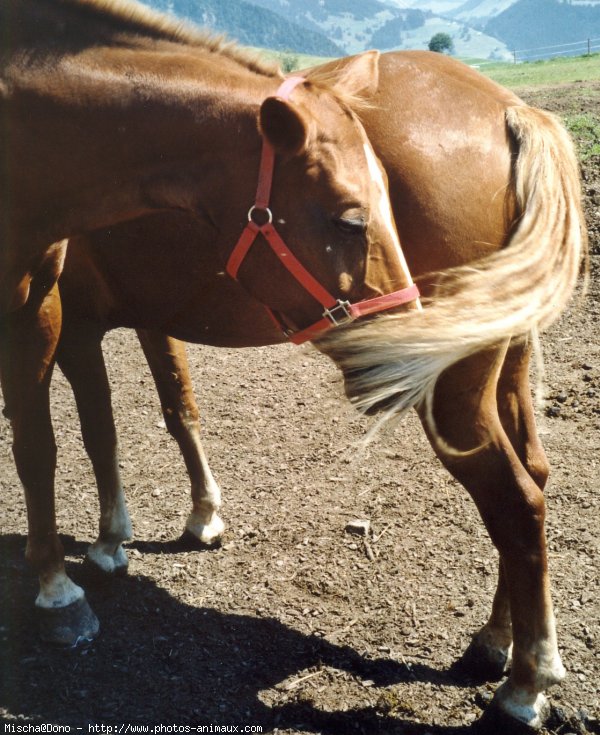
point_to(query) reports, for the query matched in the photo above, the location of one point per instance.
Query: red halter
(335, 311)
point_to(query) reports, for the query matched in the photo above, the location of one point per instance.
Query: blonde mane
(134, 16)
(326, 78)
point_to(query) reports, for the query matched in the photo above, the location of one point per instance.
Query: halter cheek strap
(335, 311)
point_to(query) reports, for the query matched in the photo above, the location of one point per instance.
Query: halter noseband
(336, 311)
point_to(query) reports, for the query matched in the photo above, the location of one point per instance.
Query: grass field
(585, 129)
(550, 72)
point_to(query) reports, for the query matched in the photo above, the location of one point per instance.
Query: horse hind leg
(168, 363)
(516, 411)
(511, 505)
(489, 653)
(29, 339)
(81, 360)
(490, 650)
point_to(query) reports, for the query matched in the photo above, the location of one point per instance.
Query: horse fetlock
(550, 669)
(540, 663)
(57, 591)
(116, 524)
(123, 530)
(45, 555)
(72, 625)
(206, 528)
(107, 557)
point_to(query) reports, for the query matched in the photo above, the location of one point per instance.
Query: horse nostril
(345, 283)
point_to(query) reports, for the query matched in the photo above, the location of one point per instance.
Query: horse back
(439, 128)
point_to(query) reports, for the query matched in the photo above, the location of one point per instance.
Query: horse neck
(107, 134)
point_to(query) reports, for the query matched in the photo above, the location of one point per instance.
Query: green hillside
(249, 24)
(530, 24)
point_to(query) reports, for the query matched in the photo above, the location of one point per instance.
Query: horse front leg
(169, 366)
(511, 504)
(29, 339)
(82, 362)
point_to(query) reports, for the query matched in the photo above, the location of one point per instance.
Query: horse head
(322, 208)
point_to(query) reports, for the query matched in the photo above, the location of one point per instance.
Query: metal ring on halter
(267, 211)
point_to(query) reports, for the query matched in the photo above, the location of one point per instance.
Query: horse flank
(396, 360)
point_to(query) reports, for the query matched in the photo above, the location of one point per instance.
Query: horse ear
(284, 126)
(359, 76)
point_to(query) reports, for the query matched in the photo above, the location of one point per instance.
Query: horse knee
(538, 467)
(35, 455)
(509, 500)
(521, 532)
(33, 458)
(180, 423)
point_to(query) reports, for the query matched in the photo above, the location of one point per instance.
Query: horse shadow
(162, 661)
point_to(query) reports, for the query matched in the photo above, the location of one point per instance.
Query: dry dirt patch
(294, 624)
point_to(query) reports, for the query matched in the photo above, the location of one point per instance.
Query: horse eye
(351, 225)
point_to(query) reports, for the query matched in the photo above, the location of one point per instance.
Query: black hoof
(578, 723)
(481, 663)
(70, 626)
(495, 721)
(96, 573)
(188, 542)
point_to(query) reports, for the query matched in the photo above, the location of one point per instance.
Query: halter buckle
(337, 318)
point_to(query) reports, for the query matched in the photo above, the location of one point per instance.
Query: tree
(441, 42)
(289, 61)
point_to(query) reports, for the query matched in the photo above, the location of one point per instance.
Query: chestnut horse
(476, 177)
(110, 112)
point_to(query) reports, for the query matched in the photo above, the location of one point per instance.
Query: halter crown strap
(267, 161)
(335, 311)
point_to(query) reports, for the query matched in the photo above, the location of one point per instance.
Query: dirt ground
(293, 624)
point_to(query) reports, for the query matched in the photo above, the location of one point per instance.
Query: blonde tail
(395, 360)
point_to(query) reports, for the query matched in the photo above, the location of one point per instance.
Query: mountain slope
(478, 11)
(466, 10)
(350, 23)
(467, 41)
(530, 24)
(357, 25)
(250, 25)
